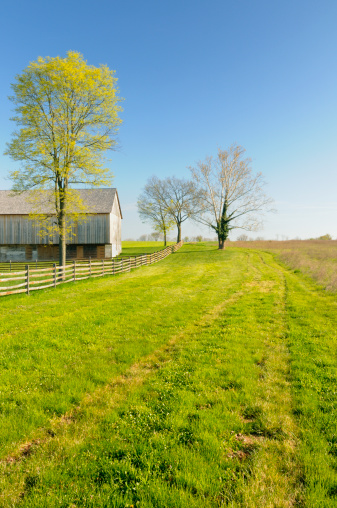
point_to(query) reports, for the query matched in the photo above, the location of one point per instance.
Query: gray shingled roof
(94, 200)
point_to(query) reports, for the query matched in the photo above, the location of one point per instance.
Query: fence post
(102, 267)
(54, 266)
(74, 268)
(10, 265)
(130, 264)
(27, 276)
(90, 266)
(113, 266)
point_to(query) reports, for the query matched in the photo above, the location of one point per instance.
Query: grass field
(316, 258)
(206, 380)
(135, 248)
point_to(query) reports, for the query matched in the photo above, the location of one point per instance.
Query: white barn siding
(98, 235)
(115, 236)
(20, 230)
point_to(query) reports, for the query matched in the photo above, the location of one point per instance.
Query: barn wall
(115, 230)
(15, 253)
(20, 230)
(51, 252)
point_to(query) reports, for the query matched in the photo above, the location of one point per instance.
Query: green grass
(128, 249)
(204, 380)
(135, 248)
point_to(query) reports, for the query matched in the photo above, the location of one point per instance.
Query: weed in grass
(251, 412)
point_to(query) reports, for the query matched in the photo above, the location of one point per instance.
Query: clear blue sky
(197, 75)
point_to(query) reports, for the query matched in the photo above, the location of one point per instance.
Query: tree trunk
(62, 222)
(164, 237)
(179, 232)
(221, 243)
(62, 242)
(223, 227)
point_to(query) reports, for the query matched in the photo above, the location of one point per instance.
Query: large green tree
(67, 114)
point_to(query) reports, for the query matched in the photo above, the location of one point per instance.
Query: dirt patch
(24, 451)
(264, 286)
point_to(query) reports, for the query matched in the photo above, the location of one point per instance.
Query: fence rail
(32, 279)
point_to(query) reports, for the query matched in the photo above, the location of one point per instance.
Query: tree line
(223, 193)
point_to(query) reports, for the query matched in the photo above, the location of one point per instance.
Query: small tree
(67, 112)
(232, 197)
(181, 199)
(155, 235)
(152, 209)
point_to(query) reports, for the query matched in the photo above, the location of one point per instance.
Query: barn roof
(94, 201)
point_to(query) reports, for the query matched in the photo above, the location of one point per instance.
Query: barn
(98, 236)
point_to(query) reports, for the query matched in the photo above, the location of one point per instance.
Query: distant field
(205, 380)
(134, 248)
(316, 258)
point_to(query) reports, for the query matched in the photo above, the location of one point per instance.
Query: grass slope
(205, 380)
(136, 248)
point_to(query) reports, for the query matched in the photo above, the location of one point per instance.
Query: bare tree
(155, 235)
(152, 208)
(242, 238)
(232, 197)
(182, 200)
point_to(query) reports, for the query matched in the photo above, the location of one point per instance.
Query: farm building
(98, 236)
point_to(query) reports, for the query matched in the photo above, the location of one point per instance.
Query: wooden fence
(32, 279)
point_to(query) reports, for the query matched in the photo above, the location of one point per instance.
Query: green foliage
(67, 114)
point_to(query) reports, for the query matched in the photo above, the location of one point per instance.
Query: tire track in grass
(312, 321)
(93, 407)
(260, 453)
(49, 369)
(276, 473)
(247, 402)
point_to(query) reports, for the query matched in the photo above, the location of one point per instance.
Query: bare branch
(232, 196)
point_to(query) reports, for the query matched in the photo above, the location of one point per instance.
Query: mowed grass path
(206, 380)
